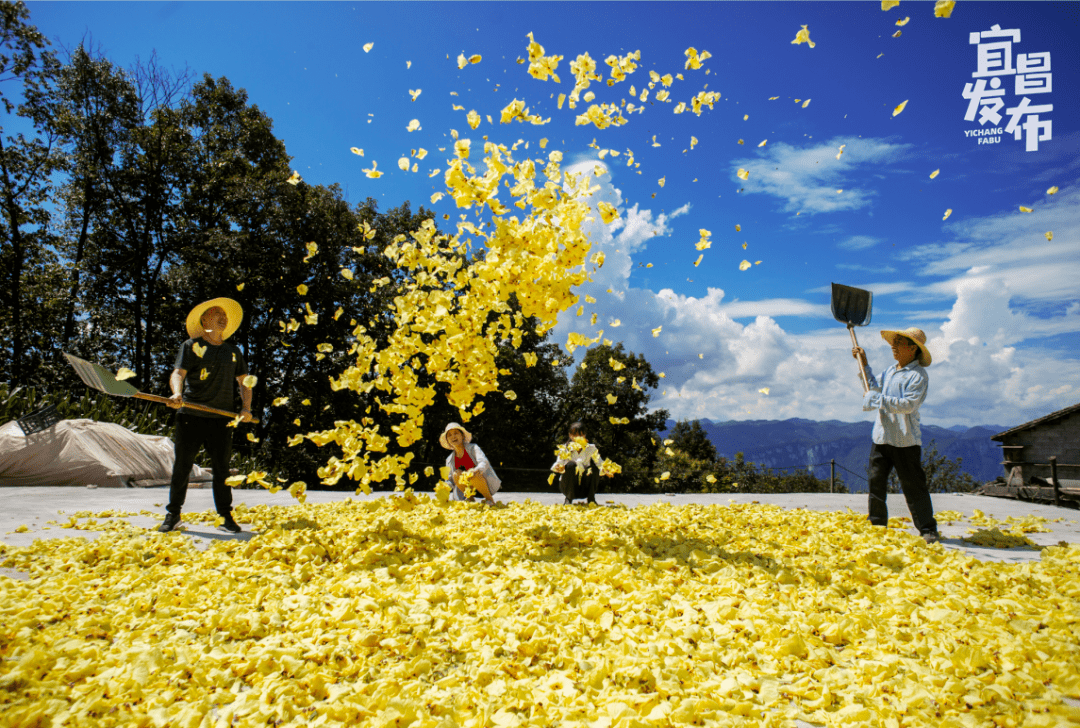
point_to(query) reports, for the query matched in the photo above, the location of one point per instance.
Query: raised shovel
(98, 377)
(851, 306)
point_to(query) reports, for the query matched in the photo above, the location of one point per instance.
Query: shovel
(851, 306)
(98, 377)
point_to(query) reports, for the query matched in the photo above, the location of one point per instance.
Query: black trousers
(908, 464)
(190, 434)
(574, 484)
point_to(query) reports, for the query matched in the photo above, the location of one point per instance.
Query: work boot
(171, 521)
(230, 526)
(931, 537)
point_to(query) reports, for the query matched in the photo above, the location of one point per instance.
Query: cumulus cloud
(975, 284)
(811, 179)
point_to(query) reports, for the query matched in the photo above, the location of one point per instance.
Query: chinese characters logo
(1030, 76)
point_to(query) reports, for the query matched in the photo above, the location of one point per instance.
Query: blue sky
(999, 302)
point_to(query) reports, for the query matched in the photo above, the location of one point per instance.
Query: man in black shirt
(205, 369)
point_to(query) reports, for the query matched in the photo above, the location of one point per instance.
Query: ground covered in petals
(411, 611)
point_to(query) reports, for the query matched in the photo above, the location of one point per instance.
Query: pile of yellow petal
(410, 611)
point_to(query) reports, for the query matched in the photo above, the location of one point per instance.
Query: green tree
(28, 158)
(611, 370)
(690, 438)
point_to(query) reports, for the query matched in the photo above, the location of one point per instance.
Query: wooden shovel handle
(862, 369)
(189, 405)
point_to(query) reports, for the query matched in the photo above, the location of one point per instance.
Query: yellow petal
(414, 93)
(510, 394)
(1052, 191)
(357, 150)
(803, 36)
(900, 108)
(1049, 234)
(744, 265)
(302, 289)
(373, 173)
(403, 164)
(656, 331)
(250, 381)
(764, 390)
(763, 142)
(294, 179)
(126, 373)
(612, 399)
(368, 47)
(889, 4)
(661, 181)
(934, 173)
(947, 213)
(203, 374)
(944, 8)
(239, 286)
(1025, 209)
(903, 22)
(897, 34)
(743, 174)
(414, 125)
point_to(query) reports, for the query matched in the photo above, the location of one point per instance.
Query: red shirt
(464, 462)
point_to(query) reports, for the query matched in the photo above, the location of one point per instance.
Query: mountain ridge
(798, 443)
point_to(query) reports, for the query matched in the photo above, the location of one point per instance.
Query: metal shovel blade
(98, 377)
(851, 305)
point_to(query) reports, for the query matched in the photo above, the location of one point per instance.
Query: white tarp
(83, 452)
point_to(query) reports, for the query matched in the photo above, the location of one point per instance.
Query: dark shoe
(170, 523)
(931, 537)
(230, 526)
(568, 502)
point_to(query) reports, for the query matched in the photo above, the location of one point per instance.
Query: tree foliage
(942, 474)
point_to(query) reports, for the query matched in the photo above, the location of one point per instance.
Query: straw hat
(453, 426)
(232, 310)
(915, 335)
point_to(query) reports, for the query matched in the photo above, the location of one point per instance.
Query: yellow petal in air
(414, 125)
(368, 47)
(947, 213)
(240, 286)
(934, 173)
(612, 399)
(803, 36)
(1025, 209)
(889, 4)
(661, 181)
(944, 8)
(415, 93)
(294, 179)
(403, 164)
(745, 265)
(250, 381)
(903, 22)
(126, 373)
(763, 142)
(900, 108)
(1052, 191)
(743, 174)
(302, 289)
(698, 261)
(373, 173)
(764, 390)
(656, 331)
(1049, 234)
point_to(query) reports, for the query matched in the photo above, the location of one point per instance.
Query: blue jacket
(897, 398)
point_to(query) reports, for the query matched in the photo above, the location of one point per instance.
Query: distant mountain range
(803, 443)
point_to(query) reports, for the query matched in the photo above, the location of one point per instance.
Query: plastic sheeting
(83, 452)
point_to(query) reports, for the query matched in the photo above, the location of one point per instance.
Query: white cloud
(858, 242)
(813, 180)
(717, 354)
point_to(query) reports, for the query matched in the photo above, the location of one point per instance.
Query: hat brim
(453, 426)
(233, 311)
(925, 359)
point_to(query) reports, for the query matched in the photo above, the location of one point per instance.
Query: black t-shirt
(210, 378)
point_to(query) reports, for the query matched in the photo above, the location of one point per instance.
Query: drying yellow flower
(944, 8)
(934, 173)
(1025, 209)
(368, 47)
(947, 213)
(743, 174)
(1052, 191)
(803, 36)
(1049, 234)
(745, 265)
(373, 173)
(414, 125)
(900, 107)
(294, 178)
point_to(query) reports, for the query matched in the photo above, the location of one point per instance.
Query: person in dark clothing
(578, 467)
(204, 372)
